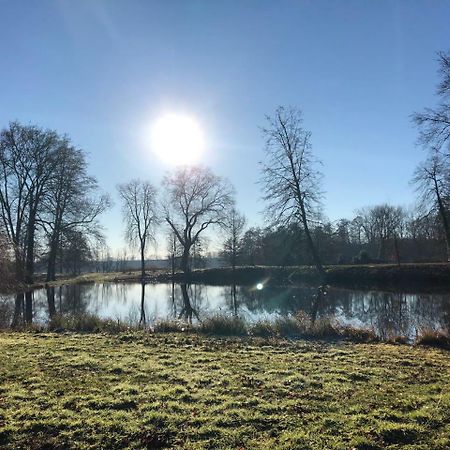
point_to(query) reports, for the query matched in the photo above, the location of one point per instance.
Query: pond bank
(382, 276)
(184, 391)
(386, 275)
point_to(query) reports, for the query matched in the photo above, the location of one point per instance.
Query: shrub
(221, 325)
(433, 338)
(358, 334)
(324, 328)
(288, 327)
(263, 329)
(169, 326)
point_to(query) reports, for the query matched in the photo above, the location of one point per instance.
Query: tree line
(47, 198)
(50, 205)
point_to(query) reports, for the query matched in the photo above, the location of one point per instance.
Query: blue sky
(103, 71)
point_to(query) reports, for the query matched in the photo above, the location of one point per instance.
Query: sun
(177, 139)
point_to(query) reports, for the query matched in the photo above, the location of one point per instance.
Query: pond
(387, 313)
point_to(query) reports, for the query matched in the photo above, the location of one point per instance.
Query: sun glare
(177, 139)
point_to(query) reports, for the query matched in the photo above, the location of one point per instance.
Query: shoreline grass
(293, 327)
(140, 390)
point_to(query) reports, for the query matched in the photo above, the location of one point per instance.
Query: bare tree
(432, 177)
(174, 250)
(234, 228)
(434, 123)
(27, 163)
(70, 203)
(290, 177)
(140, 215)
(381, 226)
(195, 199)
(432, 180)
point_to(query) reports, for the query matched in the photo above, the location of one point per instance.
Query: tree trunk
(19, 263)
(18, 308)
(28, 307)
(310, 242)
(142, 262)
(51, 264)
(29, 256)
(185, 261)
(443, 214)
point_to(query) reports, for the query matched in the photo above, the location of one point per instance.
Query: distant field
(184, 391)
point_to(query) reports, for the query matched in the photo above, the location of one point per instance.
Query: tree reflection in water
(387, 313)
(188, 311)
(142, 320)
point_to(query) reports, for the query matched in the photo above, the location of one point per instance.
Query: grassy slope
(103, 391)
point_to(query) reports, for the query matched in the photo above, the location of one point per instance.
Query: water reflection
(387, 313)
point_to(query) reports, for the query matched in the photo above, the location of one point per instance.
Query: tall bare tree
(434, 123)
(432, 177)
(27, 163)
(290, 177)
(432, 180)
(140, 215)
(234, 228)
(195, 199)
(71, 202)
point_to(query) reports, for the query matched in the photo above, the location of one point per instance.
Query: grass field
(61, 391)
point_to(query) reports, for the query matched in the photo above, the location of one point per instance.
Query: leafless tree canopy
(432, 177)
(290, 178)
(44, 192)
(434, 123)
(140, 214)
(71, 204)
(194, 199)
(432, 180)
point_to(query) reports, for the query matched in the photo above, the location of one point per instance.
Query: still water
(387, 313)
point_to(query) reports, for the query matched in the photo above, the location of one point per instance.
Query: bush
(263, 329)
(169, 326)
(221, 325)
(324, 328)
(358, 334)
(433, 338)
(288, 327)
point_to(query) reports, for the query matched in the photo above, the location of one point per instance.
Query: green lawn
(183, 391)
